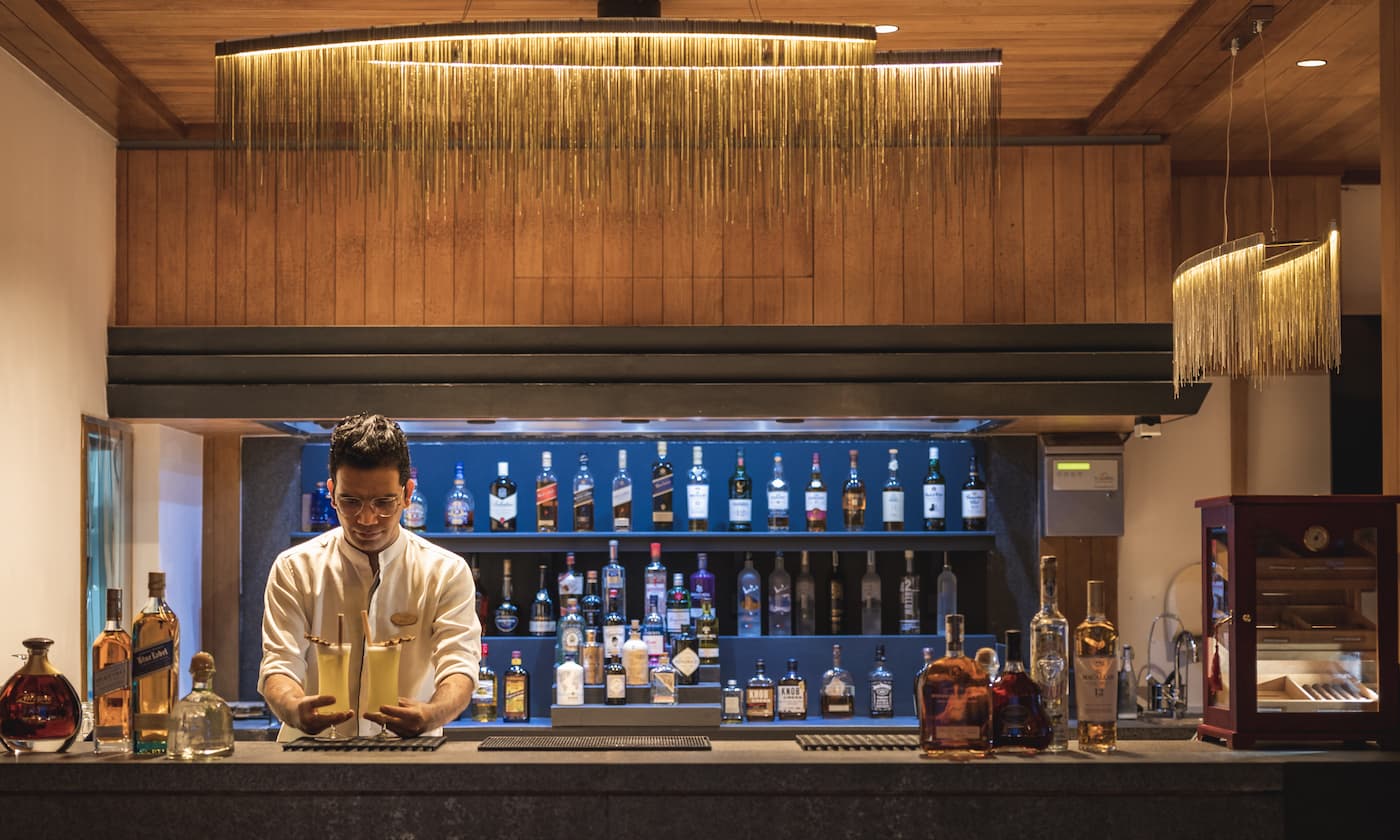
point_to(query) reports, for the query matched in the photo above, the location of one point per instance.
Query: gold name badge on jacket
(403, 619)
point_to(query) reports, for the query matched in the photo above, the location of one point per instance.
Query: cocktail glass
(382, 663)
(333, 679)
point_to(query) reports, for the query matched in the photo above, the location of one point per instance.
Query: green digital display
(1072, 466)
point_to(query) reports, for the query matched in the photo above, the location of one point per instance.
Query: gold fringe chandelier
(676, 107)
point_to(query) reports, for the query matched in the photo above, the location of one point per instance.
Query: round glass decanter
(39, 710)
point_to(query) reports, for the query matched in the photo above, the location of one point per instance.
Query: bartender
(408, 587)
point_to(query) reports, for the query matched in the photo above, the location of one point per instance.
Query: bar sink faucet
(1183, 644)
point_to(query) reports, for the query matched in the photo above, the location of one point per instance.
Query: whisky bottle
(542, 615)
(707, 633)
(111, 682)
(654, 631)
(1096, 676)
(892, 497)
(517, 693)
(504, 505)
(740, 496)
(546, 496)
(947, 593)
(758, 695)
(881, 687)
(415, 513)
(634, 656)
(974, 498)
(614, 682)
(871, 604)
(935, 494)
(155, 670)
(853, 499)
(201, 723)
(778, 517)
(837, 586)
(838, 689)
(702, 585)
(677, 604)
(570, 584)
(750, 599)
(663, 514)
(685, 656)
(792, 694)
(459, 511)
(507, 613)
(697, 494)
(814, 498)
(570, 634)
(583, 495)
(614, 627)
(622, 495)
(956, 719)
(591, 605)
(568, 682)
(779, 599)
(1050, 655)
(731, 709)
(910, 598)
(483, 706)
(663, 681)
(1019, 720)
(805, 595)
(615, 577)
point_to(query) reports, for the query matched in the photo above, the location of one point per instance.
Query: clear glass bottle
(740, 496)
(634, 656)
(792, 694)
(805, 596)
(956, 720)
(584, 505)
(484, 696)
(546, 496)
(702, 585)
(517, 693)
(838, 689)
(590, 606)
(974, 498)
(155, 669)
(881, 687)
(1050, 654)
(569, 636)
(111, 682)
(871, 604)
(814, 497)
(778, 497)
(459, 510)
(614, 682)
(779, 599)
(201, 723)
(892, 497)
(947, 592)
(853, 498)
(731, 709)
(615, 577)
(1127, 686)
(622, 495)
(568, 681)
(1096, 676)
(685, 656)
(697, 494)
(707, 632)
(837, 587)
(663, 681)
(1019, 720)
(654, 631)
(614, 626)
(39, 710)
(654, 579)
(507, 615)
(910, 598)
(415, 513)
(663, 514)
(935, 494)
(543, 621)
(750, 599)
(504, 505)
(759, 705)
(570, 583)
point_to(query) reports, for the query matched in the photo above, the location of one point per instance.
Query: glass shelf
(544, 543)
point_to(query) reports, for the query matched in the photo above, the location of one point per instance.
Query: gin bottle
(663, 681)
(870, 602)
(956, 718)
(778, 496)
(654, 578)
(750, 599)
(654, 631)
(155, 670)
(634, 656)
(569, 638)
(892, 497)
(805, 594)
(570, 584)
(685, 656)
(779, 599)
(1050, 654)
(1096, 676)
(615, 577)
(201, 724)
(677, 604)
(910, 598)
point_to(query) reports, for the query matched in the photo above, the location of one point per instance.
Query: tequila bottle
(838, 689)
(779, 599)
(881, 687)
(814, 497)
(663, 514)
(622, 494)
(697, 494)
(870, 602)
(910, 598)
(583, 495)
(1019, 720)
(805, 594)
(853, 498)
(201, 724)
(892, 497)
(546, 496)
(415, 513)
(778, 496)
(750, 599)
(111, 682)
(1096, 676)
(483, 705)
(1050, 655)
(155, 670)
(956, 720)
(792, 694)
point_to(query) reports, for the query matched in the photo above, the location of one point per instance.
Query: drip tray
(422, 743)
(858, 742)
(595, 742)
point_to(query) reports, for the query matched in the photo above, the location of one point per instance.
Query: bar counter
(738, 788)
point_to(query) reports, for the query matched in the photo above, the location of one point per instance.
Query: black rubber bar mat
(858, 742)
(595, 742)
(423, 743)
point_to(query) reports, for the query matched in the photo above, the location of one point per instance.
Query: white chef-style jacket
(422, 590)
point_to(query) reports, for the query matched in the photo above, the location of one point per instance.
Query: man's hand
(293, 706)
(414, 717)
(312, 721)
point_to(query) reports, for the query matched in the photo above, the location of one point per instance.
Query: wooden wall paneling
(828, 245)
(1157, 230)
(290, 252)
(439, 286)
(916, 242)
(618, 236)
(678, 259)
(410, 204)
(230, 253)
(1296, 212)
(260, 251)
(887, 283)
(948, 275)
(1038, 195)
(469, 249)
(119, 298)
(221, 562)
(498, 242)
(707, 286)
(979, 257)
(171, 214)
(201, 253)
(738, 258)
(1082, 559)
(142, 205)
(858, 256)
(797, 248)
(1129, 270)
(1069, 234)
(648, 289)
(1009, 305)
(379, 255)
(321, 251)
(557, 214)
(1100, 301)
(351, 254)
(529, 245)
(589, 245)
(1390, 245)
(768, 253)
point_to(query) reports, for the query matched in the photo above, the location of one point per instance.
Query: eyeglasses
(383, 507)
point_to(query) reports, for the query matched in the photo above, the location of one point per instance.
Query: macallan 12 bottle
(155, 669)
(814, 497)
(1096, 676)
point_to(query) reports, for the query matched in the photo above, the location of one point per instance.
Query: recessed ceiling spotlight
(1313, 62)
(885, 28)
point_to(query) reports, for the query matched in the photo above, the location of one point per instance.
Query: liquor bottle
(568, 640)
(459, 511)
(750, 599)
(740, 496)
(583, 496)
(731, 709)
(591, 605)
(320, 510)
(615, 577)
(919, 677)
(201, 723)
(853, 499)
(697, 494)
(702, 584)
(1050, 654)
(1127, 687)
(546, 496)
(837, 585)
(956, 719)
(483, 706)
(654, 578)
(332, 518)
(517, 693)
(155, 669)
(838, 689)
(778, 497)
(870, 601)
(881, 687)
(707, 632)
(947, 593)
(415, 513)
(677, 604)
(935, 495)
(634, 656)
(568, 682)
(570, 583)
(685, 656)
(1019, 720)
(779, 599)
(1096, 676)
(614, 682)
(503, 506)
(892, 497)
(814, 497)
(663, 516)
(805, 590)
(792, 694)
(614, 626)
(507, 613)
(654, 630)
(39, 708)
(483, 603)
(758, 695)
(910, 598)
(663, 681)
(987, 658)
(111, 682)
(542, 615)
(622, 495)
(974, 498)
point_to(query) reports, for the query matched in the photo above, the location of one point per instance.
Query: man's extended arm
(295, 707)
(412, 717)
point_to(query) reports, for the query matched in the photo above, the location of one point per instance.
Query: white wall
(57, 258)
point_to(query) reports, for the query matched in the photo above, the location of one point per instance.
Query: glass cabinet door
(1217, 661)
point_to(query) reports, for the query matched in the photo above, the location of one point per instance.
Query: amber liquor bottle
(758, 695)
(792, 694)
(1019, 720)
(111, 682)
(955, 719)
(155, 669)
(517, 693)
(814, 497)
(853, 498)
(546, 496)
(663, 514)
(1096, 676)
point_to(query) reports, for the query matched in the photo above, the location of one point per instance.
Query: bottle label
(656, 643)
(733, 705)
(687, 661)
(541, 627)
(546, 493)
(697, 497)
(507, 622)
(613, 637)
(816, 503)
(869, 592)
(622, 523)
(759, 701)
(415, 516)
(741, 510)
(571, 639)
(974, 504)
(1096, 688)
(622, 496)
(113, 677)
(583, 496)
(935, 501)
(777, 501)
(661, 486)
(676, 619)
(155, 658)
(569, 685)
(893, 506)
(881, 696)
(613, 576)
(503, 509)
(792, 700)
(663, 686)
(837, 690)
(635, 663)
(616, 686)
(779, 599)
(570, 584)
(852, 501)
(457, 513)
(485, 691)
(517, 702)
(709, 643)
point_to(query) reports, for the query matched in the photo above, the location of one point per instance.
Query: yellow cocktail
(382, 663)
(333, 676)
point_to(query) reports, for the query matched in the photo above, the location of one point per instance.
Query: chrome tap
(1184, 642)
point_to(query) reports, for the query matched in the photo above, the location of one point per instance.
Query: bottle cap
(792, 664)
(202, 663)
(661, 448)
(156, 583)
(547, 459)
(502, 468)
(484, 648)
